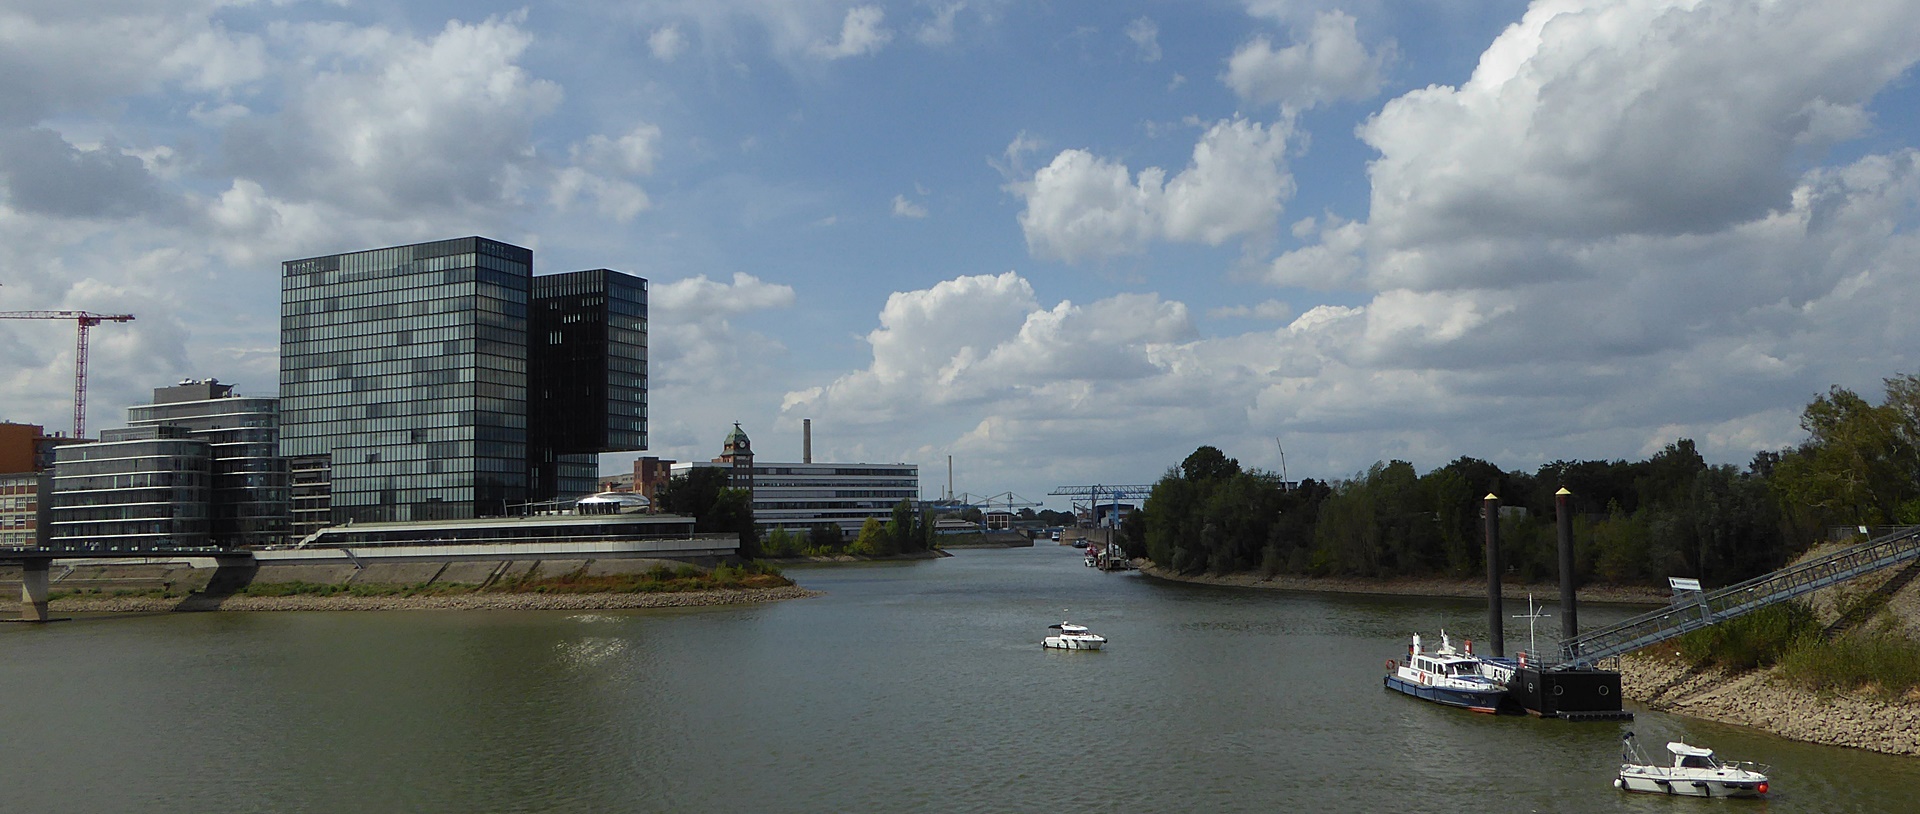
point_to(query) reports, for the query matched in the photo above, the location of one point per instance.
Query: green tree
(827, 538)
(901, 527)
(873, 540)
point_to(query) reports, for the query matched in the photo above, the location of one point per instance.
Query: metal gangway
(1696, 610)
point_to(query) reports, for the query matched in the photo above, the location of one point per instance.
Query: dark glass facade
(405, 379)
(587, 377)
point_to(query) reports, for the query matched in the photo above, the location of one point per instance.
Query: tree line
(1671, 514)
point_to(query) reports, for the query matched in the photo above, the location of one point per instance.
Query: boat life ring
(1523, 658)
(1391, 664)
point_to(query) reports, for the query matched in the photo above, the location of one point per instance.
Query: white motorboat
(1451, 677)
(1073, 637)
(1694, 773)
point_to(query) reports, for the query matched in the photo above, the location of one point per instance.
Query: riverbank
(1413, 586)
(468, 601)
(1757, 698)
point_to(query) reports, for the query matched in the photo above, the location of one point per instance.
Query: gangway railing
(1697, 610)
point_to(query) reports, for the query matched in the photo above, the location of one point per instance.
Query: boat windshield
(1696, 762)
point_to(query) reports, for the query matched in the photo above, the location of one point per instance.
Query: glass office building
(586, 378)
(405, 372)
(200, 466)
(249, 491)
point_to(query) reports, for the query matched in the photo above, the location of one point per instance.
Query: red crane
(83, 320)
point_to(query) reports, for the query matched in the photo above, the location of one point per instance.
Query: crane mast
(82, 321)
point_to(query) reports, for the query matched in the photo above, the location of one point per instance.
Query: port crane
(82, 320)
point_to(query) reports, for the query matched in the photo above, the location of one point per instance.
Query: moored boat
(1450, 677)
(1073, 637)
(1695, 773)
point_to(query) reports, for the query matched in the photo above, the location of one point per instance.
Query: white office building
(799, 496)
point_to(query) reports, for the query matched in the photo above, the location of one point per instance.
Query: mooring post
(1490, 508)
(1569, 604)
(33, 590)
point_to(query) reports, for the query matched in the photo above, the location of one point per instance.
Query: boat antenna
(1532, 615)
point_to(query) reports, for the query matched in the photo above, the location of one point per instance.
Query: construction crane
(82, 320)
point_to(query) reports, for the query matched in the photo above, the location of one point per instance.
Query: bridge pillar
(33, 590)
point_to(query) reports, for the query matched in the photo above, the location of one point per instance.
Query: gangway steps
(1742, 598)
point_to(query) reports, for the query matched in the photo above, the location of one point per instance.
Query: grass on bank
(1876, 659)
(659, 579)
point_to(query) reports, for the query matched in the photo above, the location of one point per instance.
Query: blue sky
(1063, 242)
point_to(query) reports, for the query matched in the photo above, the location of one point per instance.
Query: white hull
(1686, 786)
(1074, 642)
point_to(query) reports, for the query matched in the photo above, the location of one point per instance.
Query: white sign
(1684, 584)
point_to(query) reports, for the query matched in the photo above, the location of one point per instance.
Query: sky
(1064, 242)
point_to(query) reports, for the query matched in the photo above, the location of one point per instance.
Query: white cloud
(385, 123)
(938, 30)
(861, 33)
(1328, 65)
(903, 208)
(1145, 34)
(1082, 206)
(666, 43)
(60, 57)
(1586, 120)
(1274, 310)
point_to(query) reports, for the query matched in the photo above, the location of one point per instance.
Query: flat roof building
(800, 495)
(200, 466)
(417, 382)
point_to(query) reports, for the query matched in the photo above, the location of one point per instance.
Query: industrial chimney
(806, 440)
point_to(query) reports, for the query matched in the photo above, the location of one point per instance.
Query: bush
(1758, 639)
(1883, 661)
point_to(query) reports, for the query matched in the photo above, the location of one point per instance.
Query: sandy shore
(477, 601)
(1759, 700)
(1416, 586)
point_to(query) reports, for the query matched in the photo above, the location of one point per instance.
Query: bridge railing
(1696, 611)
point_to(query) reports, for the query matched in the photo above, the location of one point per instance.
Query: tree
(702, 493)
(901, 528)
(1208, 463)
(873, 539)
(826, 537)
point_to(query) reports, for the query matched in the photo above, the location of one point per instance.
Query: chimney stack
(806, 440)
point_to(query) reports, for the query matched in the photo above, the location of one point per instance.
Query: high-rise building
(586, 376)
(200, 466)
(408, 376)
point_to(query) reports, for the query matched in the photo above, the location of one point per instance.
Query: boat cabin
(1691, 757)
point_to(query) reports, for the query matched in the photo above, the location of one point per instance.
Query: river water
(908, 687)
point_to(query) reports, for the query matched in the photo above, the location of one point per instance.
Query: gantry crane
(82, 320)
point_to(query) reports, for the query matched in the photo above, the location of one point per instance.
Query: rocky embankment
(471, 601)
(1759, 700)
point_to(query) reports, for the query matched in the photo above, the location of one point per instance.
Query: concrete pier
(33, 591)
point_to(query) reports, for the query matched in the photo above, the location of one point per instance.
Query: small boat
(1694, 773)
(1073, 637)
(1450, 677)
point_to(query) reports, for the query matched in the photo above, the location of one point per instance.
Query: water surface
(908, 687)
